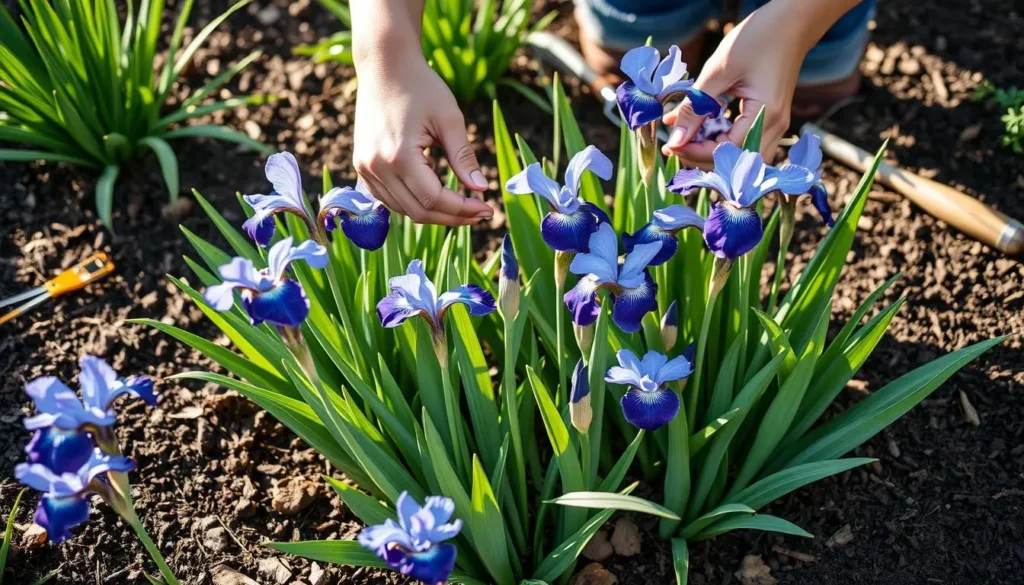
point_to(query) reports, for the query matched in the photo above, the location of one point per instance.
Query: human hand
(402, 108)
(757, 62)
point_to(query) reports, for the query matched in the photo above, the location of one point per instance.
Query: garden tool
(77, 277)
(961, 211)
(966, 214)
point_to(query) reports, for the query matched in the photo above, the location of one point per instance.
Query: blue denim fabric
(624, 24)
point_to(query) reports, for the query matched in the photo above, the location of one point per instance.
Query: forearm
(812, 18)
(385, 30)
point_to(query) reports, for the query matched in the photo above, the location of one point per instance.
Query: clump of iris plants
(74, 454)
(474, 451)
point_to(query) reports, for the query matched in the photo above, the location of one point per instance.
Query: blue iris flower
(415, 544)
(652, 81)
(741, 178)
(648, 404)
(413, 294)
(58, 406)
(268, 294)
(664, 225)
(363, 218)
(66, 475)
(805, 156)
(568, 226)
(632, 290)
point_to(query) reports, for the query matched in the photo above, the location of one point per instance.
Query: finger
(695, 154)
(684, 120)
(460, 153)
(378, 190)
(420, 213)
(425, 187)
(770, 133)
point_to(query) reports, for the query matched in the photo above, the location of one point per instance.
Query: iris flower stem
(154, 552)
(508, 396)
(563, 393)
(451, 407)
(585, 455)
(788, 211)
(698, 374)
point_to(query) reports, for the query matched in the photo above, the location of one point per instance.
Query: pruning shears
(75, 278)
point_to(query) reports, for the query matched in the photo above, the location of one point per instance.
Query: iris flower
(415, 545)
(670, 325)
(741, 179)
(268, 294)
(66, 468)
(580, 412)
(508, 280)
(662, 228)
(632, 290)
(652, 81)
(363, 218)
(648, 404)
(806, 156)
(413, 294)
(58, 406)
(712, 127)
(568, 226)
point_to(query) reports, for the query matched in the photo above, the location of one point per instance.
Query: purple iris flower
(662, 228)
(568, 226)
(741, 179)
(413, 294)
(632, 290)
(649, 404)
(415, 545)
(283, 173)
(805, 155)
(363, 218)
(268, 294)
(58, 406)
(66, 469)
(652, 81)
(713, 127)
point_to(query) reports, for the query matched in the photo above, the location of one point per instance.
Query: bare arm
(403, 107)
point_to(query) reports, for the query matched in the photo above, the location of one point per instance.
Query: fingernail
(486, 214)
(478, 179)
(675, 139)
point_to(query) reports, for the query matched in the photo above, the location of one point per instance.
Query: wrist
(806, 22)
(380, 50)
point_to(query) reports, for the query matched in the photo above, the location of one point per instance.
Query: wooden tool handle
(965, 213)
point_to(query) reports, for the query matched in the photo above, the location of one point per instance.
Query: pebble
(216, 539)
(292, 495)
(225, 575)
(595, 574)
(316, 574)
(274, 571)
(626, 538)
(598, 549)
(753, 571)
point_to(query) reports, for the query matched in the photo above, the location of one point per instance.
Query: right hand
(402, 108)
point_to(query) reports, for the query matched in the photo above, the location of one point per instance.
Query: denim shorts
(624, 24)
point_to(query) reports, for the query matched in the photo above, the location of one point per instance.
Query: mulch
(217, 478)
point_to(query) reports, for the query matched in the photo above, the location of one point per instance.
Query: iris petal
(731, 232)
(368, 231)
(568, 232)
(477, 300)
(648, 234)
(638, 107)
(629, 308)
(260, 228)
(433, 565)
(819, 197)
(394, 309)
(61, 451)
(583, 302)
(59, 515)
(687, 180)
(650, 410)
(285, 305)
(703, 104)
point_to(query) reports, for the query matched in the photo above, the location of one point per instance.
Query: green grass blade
(218, 133)
(9, 531)
(105, 195)
(774, 486)
(168, 162)
(762, 522)
(613, 501)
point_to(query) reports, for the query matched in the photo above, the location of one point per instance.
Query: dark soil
(943, 505)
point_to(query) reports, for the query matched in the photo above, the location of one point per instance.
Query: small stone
(316, 574)
(971, 133)
(626, 538)
(292, 495)
(216, 539)
(34, 537)
(225, 575)
(753, 571)
(598, 549)
(841, 538)
(268, 15)
(909, 66)
(595, 574)
(274, 571)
